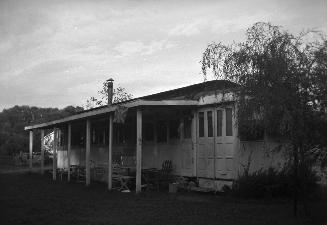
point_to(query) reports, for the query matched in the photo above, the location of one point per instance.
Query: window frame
(201, 129)
(229, 123)
(187, 118)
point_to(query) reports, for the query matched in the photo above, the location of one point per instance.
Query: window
(93, 136)
(148, 131)
(210, 127)
(219, 123)
(187, 127)
(98, 134)
(103, 136)
(62, 138)
(201, 124)
(78, 137)
(118, 133)
(229, 122)
(173, 129)
(130, 131)
(161, 132)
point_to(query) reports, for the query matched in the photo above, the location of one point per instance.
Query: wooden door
(205, 148)
(225, 133)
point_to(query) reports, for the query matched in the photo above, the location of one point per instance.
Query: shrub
(270, 183)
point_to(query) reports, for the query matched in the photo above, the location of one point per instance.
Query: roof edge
(108, 109)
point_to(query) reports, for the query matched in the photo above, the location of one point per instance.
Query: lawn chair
(160, 177)
(120, 178)
(165, 174)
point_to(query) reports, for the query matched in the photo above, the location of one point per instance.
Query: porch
(151, 132)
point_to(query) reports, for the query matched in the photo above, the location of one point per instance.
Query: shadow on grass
(36, 199)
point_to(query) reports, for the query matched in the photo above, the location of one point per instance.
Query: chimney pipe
(110, 90)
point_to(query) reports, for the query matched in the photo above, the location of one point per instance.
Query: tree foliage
(283, 84)
(13, 137)
(282, 78)
(119, 95)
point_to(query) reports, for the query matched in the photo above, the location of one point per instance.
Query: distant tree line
(13, 137)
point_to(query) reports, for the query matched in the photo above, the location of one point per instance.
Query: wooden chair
(165, 174)
(166, 168)
(73, 171)
(62, 172)
(120, 179)
(160, 177)
(128, 160)
(99, 172)
(81, 174)
(150, 178)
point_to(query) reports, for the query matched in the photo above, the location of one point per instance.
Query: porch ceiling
(104, 110)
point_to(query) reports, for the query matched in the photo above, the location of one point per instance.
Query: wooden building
(193, 126)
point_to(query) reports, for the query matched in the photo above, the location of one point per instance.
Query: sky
(58, 53)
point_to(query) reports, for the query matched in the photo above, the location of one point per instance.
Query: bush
(270, 183)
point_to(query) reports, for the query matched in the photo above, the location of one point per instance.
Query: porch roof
(185, 96)
(112, 108)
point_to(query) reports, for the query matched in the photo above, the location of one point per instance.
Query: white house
(193, 126)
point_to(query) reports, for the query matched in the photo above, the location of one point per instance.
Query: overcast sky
(57, 53)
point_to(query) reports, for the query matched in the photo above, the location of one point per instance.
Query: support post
(54, 160)
(215, 119)
(138, 149)
(194, 142)
(69, 140)
(31, 151)
(155, 137)
(110, 154)
(87, 152)
(42, 151)
(168, 132)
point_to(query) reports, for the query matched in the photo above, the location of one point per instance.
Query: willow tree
(283, 84)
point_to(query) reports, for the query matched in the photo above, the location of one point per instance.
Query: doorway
(216, 142)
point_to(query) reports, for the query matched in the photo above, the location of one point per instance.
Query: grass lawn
(33, 199)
